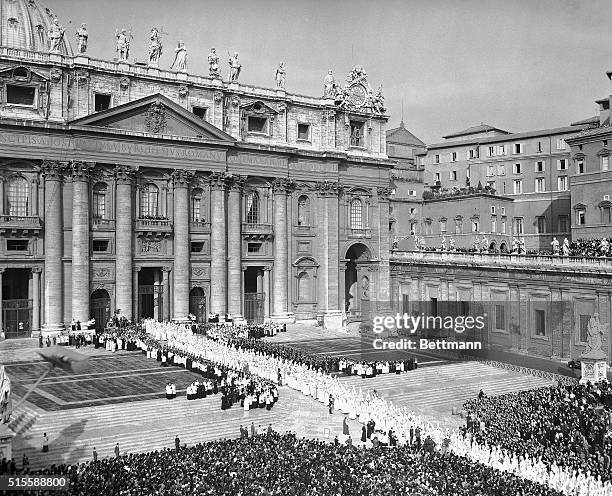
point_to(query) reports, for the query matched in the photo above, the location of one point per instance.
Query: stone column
(329, 299)
(1, 311)
(1, 195)
(80, 240)
(135, 299)
(125, 291)
(383, 295)
(281, 252)
(35, 299)
(234, 245)
(54, 243)
(218, 253)
(180, 287)
(166, 294)
(266, 290)
(34, 208)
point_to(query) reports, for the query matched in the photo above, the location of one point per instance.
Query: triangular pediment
(155, 115)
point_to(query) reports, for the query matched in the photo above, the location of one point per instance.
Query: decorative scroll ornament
(357, 94)
(56, 74)
(124, 83)
(183, 91)
(155, 118)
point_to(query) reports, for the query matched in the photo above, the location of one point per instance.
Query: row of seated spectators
(568, 425)
(274, 465)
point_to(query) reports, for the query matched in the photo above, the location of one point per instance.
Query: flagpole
(40, 379)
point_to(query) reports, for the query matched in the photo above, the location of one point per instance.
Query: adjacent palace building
(130, 189)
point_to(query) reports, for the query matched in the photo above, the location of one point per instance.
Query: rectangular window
(503, 226)
(199, 112)
(584, 328)
(605, 162)
(437, 159)
(518, 148)
(303, 132)
(433, 307)
(102, 102)
(412, 210)
(518, 225)
(580, 166)
(500, 150)
(563, 225)
(491, 151)
(453, 175)
(561, 164)
(437, 177)
(357, 133)
(540, 322)
(517, 168)
(254, 247)
(501, 170)
(580, 217)
(475, 226)
(518, 186)
(99, 205)
(503, 210)
(197, 246)
(560, 144)
(493, 224)
(492, 209)
(500, 318)
(257, 124)
(100, 245)
(541, 225)
(16, 245)
(412, 228)
(473, 153)
(490, 170)
(539, 147)
(562, 183)
(453, 156)
(540, 185)
(20, 95)
(458, 226)
(606, 218)
(442, 226)
(539, 166)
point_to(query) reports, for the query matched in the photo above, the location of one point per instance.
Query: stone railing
(23, 224)
(251, 228)
(154, 227)
(360, 233)
(199, 226)
(99, 224)
(501, 258)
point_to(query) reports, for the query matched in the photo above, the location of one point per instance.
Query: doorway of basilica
(150, 293)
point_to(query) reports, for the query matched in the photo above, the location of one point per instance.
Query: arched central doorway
(197, 304)
(16, 303)
(356, 287)
(100, 308)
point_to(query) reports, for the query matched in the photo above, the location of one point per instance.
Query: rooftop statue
(213, 64)
(281, 76)
(180, 57)
(56, 35)
(123, 43)
(330, 86)
(595, 333)
(155, 48)
(235, 67)
(82, 36)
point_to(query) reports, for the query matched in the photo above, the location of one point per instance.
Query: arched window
(149, 196)
(17, 196)
(99, 201)
(196, 205)
(356, 214)
(303, 211)
(304, 287)
(252, 207)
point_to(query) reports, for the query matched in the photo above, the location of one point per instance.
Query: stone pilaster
(125, 292)
(136, 298)
(266, 290)
(180, 287)
(80, 240)
(1, 312)
(235, 185)
(218, 251)
(329, 300)
(384, 294)
(281, 252)
(35, 299)
(166, 295)
(54, 242)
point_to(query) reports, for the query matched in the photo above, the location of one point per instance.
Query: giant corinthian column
(218, 251)
(234, 251)
(180, 287)
(280, 283)
(124, 232)
(80, 240)
(53, 172)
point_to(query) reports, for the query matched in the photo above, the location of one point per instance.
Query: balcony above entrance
(257, 231)
(157, 228)
(20, 225)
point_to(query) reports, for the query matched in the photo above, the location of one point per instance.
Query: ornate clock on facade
(357, 95)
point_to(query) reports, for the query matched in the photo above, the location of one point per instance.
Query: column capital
(181, 178)
(81, 171)
(217, 180)
(235, 182)
(329, 188)
(124, 174)
(136, 269)
(282, 185)
(165, 269)
(53, 169)
(36, 270)
(383, 193)
(244, 268)
(267, 268)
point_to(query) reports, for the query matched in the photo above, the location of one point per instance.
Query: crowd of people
(283, 465)
(569, 426)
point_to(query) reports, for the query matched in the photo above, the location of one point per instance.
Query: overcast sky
(516, 64)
